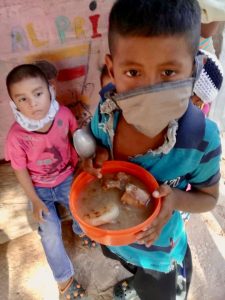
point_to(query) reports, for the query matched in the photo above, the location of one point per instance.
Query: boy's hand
(93, 165)
(38, 209)
(150, 234)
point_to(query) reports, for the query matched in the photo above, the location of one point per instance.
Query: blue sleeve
(97, 127)
(207, 173)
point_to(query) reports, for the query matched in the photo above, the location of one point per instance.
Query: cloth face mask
(151, 109)
(34, 125)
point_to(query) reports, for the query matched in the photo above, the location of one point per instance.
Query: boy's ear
(109, 64)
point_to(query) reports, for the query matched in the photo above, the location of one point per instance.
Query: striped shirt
(193, 160)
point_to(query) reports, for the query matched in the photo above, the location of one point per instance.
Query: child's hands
(93, 165)
(150, 234)
(38, 209)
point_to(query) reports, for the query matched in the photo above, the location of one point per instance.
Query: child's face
(32, 97)
(143, 61)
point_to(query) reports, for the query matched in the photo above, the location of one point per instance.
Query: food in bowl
(98, 233)
(117, 201)
(107, 213)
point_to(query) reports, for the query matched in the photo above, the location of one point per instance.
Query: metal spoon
(84, 142)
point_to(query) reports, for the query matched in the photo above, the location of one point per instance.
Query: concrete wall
(71, 34)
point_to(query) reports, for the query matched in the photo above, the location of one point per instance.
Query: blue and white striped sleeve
(207, 173)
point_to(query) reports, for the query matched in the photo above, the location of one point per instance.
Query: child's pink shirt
(49, 157)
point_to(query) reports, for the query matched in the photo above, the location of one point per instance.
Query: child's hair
(147, 18)
(47, 68)
(23, 72)
(104, 75)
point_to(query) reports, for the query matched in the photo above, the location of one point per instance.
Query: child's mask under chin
(33, 125)
(151, 109)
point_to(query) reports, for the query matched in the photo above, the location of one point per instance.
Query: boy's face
(32, 97)
(143, 61)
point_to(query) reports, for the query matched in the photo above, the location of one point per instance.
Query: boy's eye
(133, 73)
(22, 99)
(38, 94)
(168, 73)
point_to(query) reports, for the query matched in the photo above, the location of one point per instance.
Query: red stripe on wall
(71, 73)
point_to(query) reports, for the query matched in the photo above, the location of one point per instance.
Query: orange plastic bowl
(113, 237)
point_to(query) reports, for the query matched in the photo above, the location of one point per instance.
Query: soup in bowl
(112, 210)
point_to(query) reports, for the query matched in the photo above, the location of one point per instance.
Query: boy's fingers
(143, 234)
(148, 241)
(97, 173)
(100, 159)
(88, 167)
(41, 218)
(35, 217)
(87, 163)
(38, 218)
(162, 191)
(46, 211)
(162, 218)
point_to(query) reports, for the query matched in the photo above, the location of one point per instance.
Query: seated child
(44, 161)
(209, 82)
(147, 118)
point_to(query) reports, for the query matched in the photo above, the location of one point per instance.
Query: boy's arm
(207, 198)
(39, 207)
(93, 165)
(204, 187)
(209, 29)
(195, 201)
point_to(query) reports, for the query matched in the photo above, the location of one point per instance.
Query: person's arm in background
(209, 29)
(39, 207)
(212, 19)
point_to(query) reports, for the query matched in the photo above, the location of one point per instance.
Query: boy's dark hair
(47, 68)
(22, 72)
(146, 18)
(104, 73)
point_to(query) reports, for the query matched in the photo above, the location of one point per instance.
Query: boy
(39, 149)
(148, 119)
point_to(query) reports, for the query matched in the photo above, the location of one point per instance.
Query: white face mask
(151, 109)
(33, 125)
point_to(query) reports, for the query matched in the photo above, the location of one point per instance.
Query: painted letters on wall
(72, 35)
